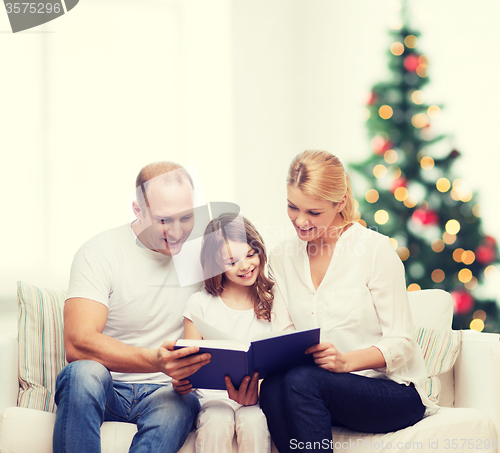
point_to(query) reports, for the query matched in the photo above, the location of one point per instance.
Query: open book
(267, 353)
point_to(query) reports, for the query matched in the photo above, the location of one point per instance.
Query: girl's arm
(190, 331)
(183, 387)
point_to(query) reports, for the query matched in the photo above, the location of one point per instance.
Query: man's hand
(179, 363)
(247, 394)
(182, 387)
(328, 357)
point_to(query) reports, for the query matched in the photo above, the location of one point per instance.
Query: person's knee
(173, 408)
(83, 376)
(298, 380)
(215, 415)
(250, 419)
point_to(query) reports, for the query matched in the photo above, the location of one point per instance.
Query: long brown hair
(220, 230)
(321, 175)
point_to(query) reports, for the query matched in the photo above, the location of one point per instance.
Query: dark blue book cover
(266, 356)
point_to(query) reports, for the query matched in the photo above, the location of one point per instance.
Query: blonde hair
(321, 175)
(217, 233)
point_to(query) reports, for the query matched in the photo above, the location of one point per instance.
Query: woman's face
(313, 218)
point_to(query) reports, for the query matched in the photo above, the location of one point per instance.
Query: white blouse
(361, 302)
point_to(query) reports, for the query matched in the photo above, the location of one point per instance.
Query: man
(124, 301)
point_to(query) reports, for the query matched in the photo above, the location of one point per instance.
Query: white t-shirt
(240, 324)
(361, 302)
(140, 288)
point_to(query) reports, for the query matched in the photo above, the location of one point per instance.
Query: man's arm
(84, 321)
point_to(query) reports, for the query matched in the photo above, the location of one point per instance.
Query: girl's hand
(328, 357)
(182, 387)
(247, 394)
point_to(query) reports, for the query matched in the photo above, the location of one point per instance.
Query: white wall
(235, 87)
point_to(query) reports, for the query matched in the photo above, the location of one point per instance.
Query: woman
(349, 281)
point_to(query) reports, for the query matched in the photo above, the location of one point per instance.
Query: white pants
(217, 422)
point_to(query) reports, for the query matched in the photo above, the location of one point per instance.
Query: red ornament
(490, 240)
(411, 63)
(399, 182)
(485, 254)
(463, 302)
(372, 98)
(425, 217)
(380, 145)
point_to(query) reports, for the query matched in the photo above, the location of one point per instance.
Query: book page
(233, 345)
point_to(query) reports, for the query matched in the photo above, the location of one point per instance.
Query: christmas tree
(412, 196)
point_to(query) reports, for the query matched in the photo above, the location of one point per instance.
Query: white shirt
(361, 302)
(140, 288)
(242, 325)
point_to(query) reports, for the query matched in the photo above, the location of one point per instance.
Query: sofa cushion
(432, 312)
(441, 432)
(41, 346)
(16, 422)
(440, 350)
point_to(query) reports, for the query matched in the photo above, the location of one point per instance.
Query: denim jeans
(303, 405)
(86, 396)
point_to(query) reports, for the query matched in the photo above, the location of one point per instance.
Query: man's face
(168, 221)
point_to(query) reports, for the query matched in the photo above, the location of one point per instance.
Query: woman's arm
(328, 357)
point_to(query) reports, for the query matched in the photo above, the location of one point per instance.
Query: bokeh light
(371, 196)
(468, 257)
(420, 120)
(457, 255)
(403, 253)
(410, 202)
(418, 97)
(391, 156)
(379, 171)
(411, 41)
(427, 162)
(394, 243)
(443, 185)
(434, 111)
(471, 284)
(397, 48)
(465, 275)
(401, 193)
(452, 226)
(437, 245)
(437, 275)
(477, 324)
(385, 112)
(413, 287)
(449, 238)
(490, 271)
(381, 217)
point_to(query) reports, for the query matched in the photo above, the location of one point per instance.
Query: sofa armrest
(9, 382)
(476, 373)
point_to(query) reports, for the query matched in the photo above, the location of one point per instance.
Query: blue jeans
(86, 396)
(303, 405)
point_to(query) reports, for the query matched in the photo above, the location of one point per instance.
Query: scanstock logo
(25, 15)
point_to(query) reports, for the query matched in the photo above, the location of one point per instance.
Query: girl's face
(312, 218)
(241, 263)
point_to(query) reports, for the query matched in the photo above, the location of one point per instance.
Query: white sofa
(471, 392)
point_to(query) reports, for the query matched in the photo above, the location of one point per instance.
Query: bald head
(165, 172)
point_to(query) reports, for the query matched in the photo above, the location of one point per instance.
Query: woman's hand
(182, 387)
(328, 357)
(247, 394)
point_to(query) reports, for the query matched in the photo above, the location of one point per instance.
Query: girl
(237, 299)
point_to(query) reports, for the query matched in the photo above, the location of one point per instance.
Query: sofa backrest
(431, 308)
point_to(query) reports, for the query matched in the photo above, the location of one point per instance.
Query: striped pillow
(440, 350)
(41, 347)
